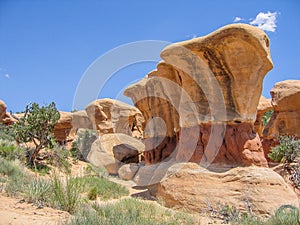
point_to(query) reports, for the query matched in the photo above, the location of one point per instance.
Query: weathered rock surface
(112, 116)
(113, 150)
(191, 187)
(128, 171)
(264, 106)
(285, 119)
(202, 83)
(63, 127)
(5, 117)
(80, 119)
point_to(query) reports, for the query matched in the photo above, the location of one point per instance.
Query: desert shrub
(82, 145)
(65, 194)
(130, 211)
(36, 126)
(58, 157)
(94, 171)
(6, 133)
(287, 150)
(267, 116)
(93, 193)
(38, 191)
(10, 151)
(285, 215)
(105, 188)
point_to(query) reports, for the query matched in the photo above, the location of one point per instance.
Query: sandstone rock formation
(80, 119)
(5, 117)
(264, 106)
(286, 116)
(113, 150)
(260, 188)
(63, 127)
(200, 103)
(112, 116)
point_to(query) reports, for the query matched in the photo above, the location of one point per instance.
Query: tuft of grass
(130, 211)
(65, 194)
(38, 191)
(285, 215)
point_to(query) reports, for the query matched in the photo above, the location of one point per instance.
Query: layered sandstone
(63, 128)
(261, 189)
(285, 119)
(200, 103)
(112, 116)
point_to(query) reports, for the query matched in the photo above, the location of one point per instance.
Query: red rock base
(234, 144)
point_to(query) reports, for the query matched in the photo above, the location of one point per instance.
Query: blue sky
(46, 46)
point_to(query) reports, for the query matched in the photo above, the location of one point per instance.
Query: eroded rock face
(205, 93)
(264, 189)
(113, 150)
(80, 119)
(63, 128)
(264, 106)
(5, 117)
(285, 119)
(112, 116)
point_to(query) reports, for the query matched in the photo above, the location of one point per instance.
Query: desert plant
(105, 188)
(93, 193)
(58, 157)
(285, 215)
(38, 191)
(130, 211)
(287, 150)
(82, 145)
(65, 194)
(10, 151)
(6, 133)
(37, 126)
(267, 116)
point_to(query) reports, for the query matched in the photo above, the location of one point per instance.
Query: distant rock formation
(5, 117)
(264, 105)
(112, 116)
(200, 103)
(285, 119)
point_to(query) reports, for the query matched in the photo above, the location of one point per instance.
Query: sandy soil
(15, 212)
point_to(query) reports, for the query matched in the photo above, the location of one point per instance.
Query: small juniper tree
(37, 126)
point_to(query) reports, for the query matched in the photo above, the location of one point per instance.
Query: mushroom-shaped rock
(204, 90)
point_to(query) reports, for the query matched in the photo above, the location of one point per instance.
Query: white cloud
(265, 21)
(237, 19)
(7, 76)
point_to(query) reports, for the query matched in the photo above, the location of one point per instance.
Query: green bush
(6, 133)
(267, 116)
(287, 150)
(285, 215)
(10, 151)
(93, 193)
(58, 157)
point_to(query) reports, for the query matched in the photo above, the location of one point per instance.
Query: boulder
(63, 128)
(200, 103)
(112, 116)
(5, 117)
(285, 119)
(128, 171)
(264, 106)
(191, 187)
(113, 150)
